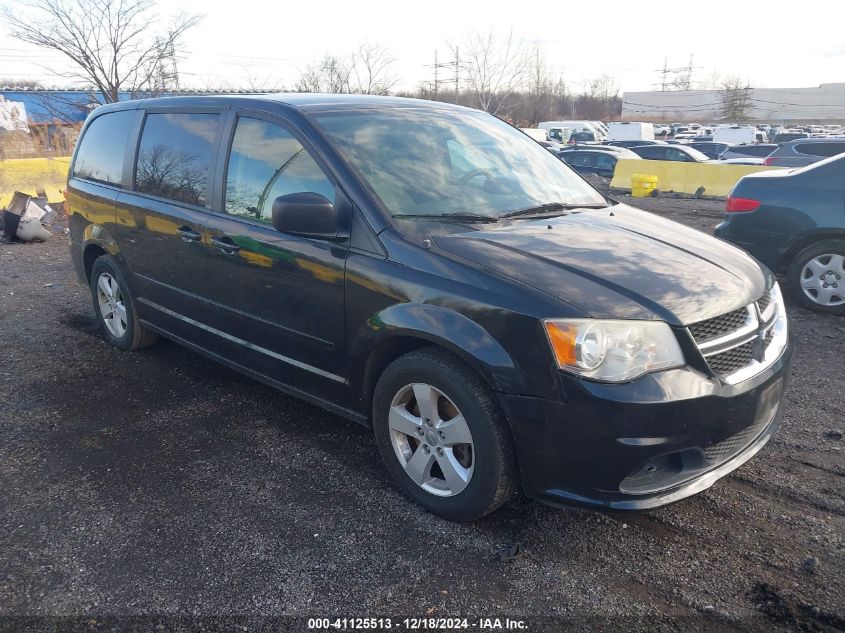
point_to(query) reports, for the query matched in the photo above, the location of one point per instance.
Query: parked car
(598, 162)
(747, 160)
(662, 130)
(632, 143)
(793, 220)
(681, 153)
(597, 147)
(709, 148)
(583, 137)
(805, 152)
(756, 150)
(785, 137)
(552, 146)
(574, 126)
(431, 272)
(685, 137)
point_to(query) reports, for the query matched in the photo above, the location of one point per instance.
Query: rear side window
(175, 154)
(604, 161)
(756, 150)
(100, 154)
(267, 161)
(820, 149)
(581, 159)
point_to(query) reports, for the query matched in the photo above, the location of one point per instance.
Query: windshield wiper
(549, 209)
(455, 217)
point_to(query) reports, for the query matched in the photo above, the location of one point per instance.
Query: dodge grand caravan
(431, 272)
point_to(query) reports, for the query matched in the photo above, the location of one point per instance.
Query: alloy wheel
(112, 308)
(431, 439)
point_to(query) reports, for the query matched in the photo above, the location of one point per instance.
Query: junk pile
(26, 219)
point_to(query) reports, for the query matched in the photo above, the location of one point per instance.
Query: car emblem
(758, 351)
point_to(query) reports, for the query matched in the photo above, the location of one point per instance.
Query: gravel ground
(159, 484)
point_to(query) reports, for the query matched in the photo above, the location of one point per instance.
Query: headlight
(612, 351)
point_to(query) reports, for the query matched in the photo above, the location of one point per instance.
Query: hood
(618, 262)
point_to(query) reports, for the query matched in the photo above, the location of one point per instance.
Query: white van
(575, 126)
(630, 131)
(735, 134)
(541, 136)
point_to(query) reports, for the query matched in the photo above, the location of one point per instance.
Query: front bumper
(647, 443)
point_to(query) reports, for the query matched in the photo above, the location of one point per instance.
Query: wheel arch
(405, 327)
(806, 241)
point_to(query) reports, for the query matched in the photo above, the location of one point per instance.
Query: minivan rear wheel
(115, 307)
(442, 436)
(816, 277)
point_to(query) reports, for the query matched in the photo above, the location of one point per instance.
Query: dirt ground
(161, 485)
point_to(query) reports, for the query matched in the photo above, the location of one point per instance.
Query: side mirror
(308, 214)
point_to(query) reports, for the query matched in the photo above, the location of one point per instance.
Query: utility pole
(665, 72)
(457, 70)
(689, 74)
(436, 66)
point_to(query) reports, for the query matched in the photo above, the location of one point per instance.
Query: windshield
(430, 162)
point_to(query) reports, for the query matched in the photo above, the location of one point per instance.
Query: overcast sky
(244, 42)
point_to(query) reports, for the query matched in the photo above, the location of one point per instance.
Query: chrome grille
(718, 326)
(733, 341)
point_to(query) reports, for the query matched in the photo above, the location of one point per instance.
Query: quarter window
(175, 155)
(267, 161)
(100, 155)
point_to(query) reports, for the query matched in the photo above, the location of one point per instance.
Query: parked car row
(792, 154)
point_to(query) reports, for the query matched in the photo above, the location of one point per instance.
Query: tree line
(117, 46)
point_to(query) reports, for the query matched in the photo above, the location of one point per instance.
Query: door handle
(188, 234)
(226, 245)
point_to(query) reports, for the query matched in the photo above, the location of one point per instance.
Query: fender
(440, 326)
(91, 234)
(809, 238)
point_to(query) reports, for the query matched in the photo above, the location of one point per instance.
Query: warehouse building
(825, 104)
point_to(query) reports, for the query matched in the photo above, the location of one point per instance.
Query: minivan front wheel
(442, 436)
(817, 277)
(115, 307)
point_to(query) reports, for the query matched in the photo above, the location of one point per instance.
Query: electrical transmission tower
(453, 77)
(167, 75)
(676, 78)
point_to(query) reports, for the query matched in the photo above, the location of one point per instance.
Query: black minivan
(432, 272)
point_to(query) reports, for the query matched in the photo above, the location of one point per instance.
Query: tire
(483, 472)
(814, 266)
(110, 291)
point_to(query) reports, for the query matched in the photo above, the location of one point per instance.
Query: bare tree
(369, 70)
(331, 74)
(712, 81)
(736, 98)
(494, 69)
(600, 99)
(108, 41)
(372, 70)
(544, 98)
